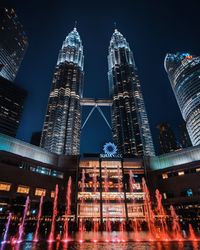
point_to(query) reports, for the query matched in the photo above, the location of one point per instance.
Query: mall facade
(110, 188)
(104, 186)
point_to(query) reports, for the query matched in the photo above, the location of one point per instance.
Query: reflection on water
(105, 246)
(89, 244)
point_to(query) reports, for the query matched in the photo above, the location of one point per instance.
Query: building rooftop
(184, 156)
(24, 149)
(35, 153)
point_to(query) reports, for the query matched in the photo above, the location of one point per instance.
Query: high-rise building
(61, 131)
(184, 136)
(35, 138)
(11, 106)
(183, 71)
(13, 44)
(131, 132)
(167, 138)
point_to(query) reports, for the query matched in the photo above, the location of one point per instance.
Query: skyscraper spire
(131, 132)
(61, 131)
(72, 49)
(115, 25)
(75, 24)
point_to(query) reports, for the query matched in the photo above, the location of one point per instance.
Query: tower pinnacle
(75, 24)
(115, 26)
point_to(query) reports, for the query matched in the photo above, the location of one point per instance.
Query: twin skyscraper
(130, 126)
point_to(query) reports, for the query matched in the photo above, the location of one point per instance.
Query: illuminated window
(181, 173)
(88, 195)
(165, 176)
(4, 186)
(23, 189)
(40, 192)
(164, 196)
(197, 169)
(52, 194)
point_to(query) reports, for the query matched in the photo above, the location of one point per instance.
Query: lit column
(100, 190)
(124, 189)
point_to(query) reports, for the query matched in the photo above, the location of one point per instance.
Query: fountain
(106, 189)
(121, 200)
(175, 225)
(191, 233)
(21, 227)
(155, 220)
(38, 220)
(81, 222)
(68, 208)
(95, 218)
(131, 181)
(134, 222)
(51, 235)
(7, 228)
(161, 214)
(149, 214)
(193, 238)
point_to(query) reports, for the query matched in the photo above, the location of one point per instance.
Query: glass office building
(183, 71)
(12, 98)
(13, 44)
(167, 139)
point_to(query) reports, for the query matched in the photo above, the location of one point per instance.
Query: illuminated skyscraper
(12, 99)
(184, 136)
(13, 44)
(167, 138)
(131, 132)
(61, 131)
(183, 71)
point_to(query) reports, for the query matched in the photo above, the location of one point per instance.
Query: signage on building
(110, 151)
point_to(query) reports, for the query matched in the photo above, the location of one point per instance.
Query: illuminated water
(105, 246)
(158, 236)
(113, 244)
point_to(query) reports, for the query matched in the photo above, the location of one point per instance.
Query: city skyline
(149, 55)
(107, 152)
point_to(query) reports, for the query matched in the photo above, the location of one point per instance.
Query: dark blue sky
(152, 29)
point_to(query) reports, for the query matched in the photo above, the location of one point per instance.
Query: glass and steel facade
(183, 71)
(167, 138)
(175, 159)
(130, 126)
(61, 131)
(110, 189)
(13, 44)
(184, 136)
(12, 98)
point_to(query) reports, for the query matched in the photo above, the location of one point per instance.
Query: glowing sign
(110, 150)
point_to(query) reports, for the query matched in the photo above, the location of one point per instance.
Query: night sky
(152, 29)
